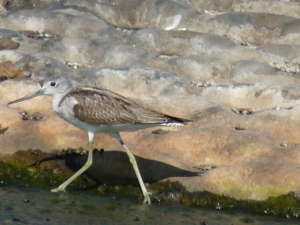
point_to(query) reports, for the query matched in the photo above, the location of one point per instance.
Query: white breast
(65, 111)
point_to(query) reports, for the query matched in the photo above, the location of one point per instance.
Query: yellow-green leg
(135, 167)
(84, 168)
(139, 177)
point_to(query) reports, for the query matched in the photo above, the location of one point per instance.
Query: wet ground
(36, 206)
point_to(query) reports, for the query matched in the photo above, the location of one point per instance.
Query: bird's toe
(147, 198)
(57, 190)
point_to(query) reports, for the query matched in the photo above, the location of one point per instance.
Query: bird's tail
(174, 121)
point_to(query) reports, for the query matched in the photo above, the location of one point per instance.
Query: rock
(230, 66)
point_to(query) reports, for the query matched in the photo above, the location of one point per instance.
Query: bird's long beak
(41, 92)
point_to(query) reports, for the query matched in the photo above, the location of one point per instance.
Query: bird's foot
(58, 189)
(147, 197)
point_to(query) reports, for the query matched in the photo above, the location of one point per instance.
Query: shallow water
(35, 206)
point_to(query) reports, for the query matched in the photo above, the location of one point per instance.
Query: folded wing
(102, 107)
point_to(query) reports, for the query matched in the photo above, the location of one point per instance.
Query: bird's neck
(56, 100)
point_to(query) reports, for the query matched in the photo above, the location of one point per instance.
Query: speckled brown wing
(102, 107)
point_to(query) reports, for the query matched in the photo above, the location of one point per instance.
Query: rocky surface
(230, 66)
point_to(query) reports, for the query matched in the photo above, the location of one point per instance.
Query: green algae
(56, 200)
(284, 206)
(88, 206)
(11, 175)
(120, 192)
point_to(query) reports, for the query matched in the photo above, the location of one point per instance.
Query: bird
(98, 110)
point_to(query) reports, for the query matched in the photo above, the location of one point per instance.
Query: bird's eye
(52, 84)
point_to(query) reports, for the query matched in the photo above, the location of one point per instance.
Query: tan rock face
(231, 67)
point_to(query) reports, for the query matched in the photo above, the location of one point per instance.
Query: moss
(166, 191)
(285, 206)
(129, 192)
(161, 191)
(282, 206)
(17, 173)
(9, 208)
(88, 206)
(186, 200)
(24, 177)
(112, 207)
(102, 189)
(247, 219)
(56, 200)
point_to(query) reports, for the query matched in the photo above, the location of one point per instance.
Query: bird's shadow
(114, 168)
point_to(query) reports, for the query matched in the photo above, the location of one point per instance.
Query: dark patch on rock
(6, 44)
(7, 71)
(291, 93)
(160, 131)
(3, 130)
(35, 116)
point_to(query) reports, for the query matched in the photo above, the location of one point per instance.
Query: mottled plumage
(100, 111)
(102, 107)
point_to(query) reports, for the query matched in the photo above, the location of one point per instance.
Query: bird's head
(50, 86)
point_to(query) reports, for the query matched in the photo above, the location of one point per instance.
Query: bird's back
(100, 107)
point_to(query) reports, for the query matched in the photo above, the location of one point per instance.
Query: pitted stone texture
(230, 66)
